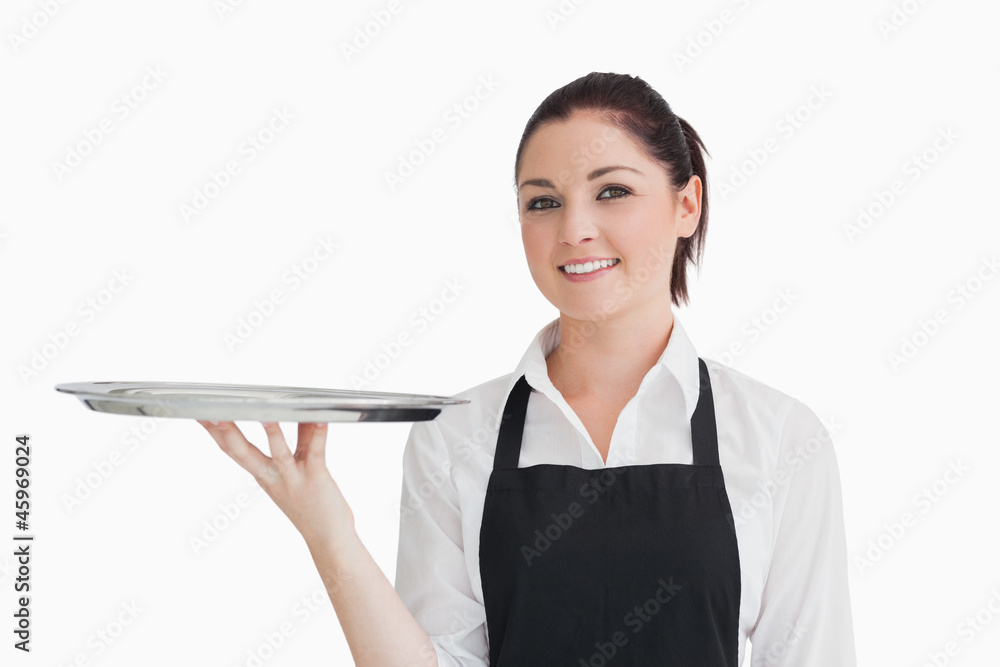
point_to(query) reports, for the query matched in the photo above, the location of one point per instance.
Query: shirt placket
(623, 438)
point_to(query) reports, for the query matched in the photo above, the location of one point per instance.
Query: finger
(280, 452)
(312, 442)
(237, 447)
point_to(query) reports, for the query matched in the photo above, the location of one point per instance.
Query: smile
(588, 267)
(589, 271)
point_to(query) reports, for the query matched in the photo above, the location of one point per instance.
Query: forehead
(581, 143)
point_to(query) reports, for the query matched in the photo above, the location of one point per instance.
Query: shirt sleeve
(805, 614)
(432, 577)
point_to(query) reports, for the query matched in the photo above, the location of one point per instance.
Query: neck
(608, 357)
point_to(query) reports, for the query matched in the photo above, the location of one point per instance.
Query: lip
(593, 275)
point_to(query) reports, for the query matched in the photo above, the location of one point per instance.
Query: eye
(540, 203)
(623, 192)
(547, 201)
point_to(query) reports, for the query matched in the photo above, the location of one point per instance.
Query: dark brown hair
(631, 104)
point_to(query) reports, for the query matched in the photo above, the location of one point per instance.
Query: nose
(577, 224)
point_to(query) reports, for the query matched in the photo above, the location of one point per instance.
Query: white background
(856, 299)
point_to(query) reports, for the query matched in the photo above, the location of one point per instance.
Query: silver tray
(244, 402)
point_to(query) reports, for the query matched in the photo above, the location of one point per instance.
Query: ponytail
(692, 248)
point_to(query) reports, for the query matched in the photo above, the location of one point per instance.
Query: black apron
(630, 565)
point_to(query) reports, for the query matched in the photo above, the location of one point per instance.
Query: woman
(616, 499)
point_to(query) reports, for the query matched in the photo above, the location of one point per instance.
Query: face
(588, 195)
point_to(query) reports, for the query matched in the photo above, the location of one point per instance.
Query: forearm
(379, 628)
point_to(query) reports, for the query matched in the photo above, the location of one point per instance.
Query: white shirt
(780, 472)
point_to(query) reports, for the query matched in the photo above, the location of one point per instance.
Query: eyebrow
(597, 173)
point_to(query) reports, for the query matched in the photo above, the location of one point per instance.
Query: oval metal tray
(244, 402)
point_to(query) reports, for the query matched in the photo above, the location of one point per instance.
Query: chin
(591, 310)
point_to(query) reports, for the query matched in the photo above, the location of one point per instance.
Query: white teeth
(589, 267)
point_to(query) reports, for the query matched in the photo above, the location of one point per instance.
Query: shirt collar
(679, 360)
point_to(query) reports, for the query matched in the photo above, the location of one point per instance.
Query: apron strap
(704, 438)
(512, 426)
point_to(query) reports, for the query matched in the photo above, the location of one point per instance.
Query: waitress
(616, 499)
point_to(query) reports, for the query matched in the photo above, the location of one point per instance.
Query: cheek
(643, 239)
(536, 246)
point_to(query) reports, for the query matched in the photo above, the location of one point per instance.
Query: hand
(300, 484)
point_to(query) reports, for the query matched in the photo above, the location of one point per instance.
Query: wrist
(338, 546)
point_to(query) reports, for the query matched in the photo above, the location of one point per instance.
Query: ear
(689, 207)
